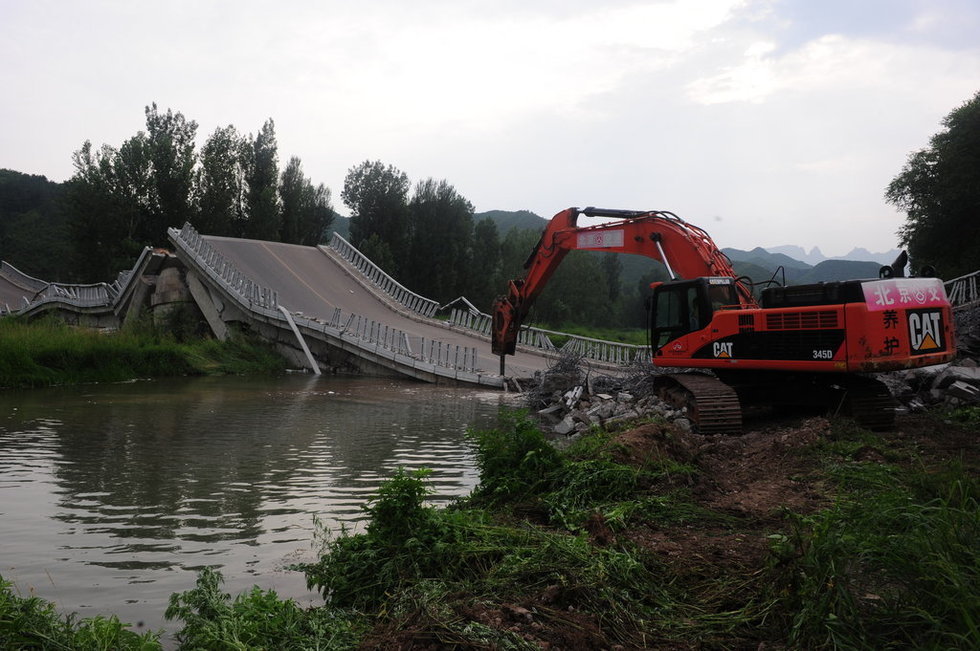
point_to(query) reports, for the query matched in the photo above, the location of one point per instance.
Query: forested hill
(33, 226)
(506, 220)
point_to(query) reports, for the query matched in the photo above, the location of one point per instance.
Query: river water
(112, 496)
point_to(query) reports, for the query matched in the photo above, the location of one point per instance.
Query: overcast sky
(766, 122)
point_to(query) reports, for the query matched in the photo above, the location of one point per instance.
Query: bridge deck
(310, 281)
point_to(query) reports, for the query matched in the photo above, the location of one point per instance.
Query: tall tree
(439, 261)
(306, 211)
(486, 281)
(377, 195)
(264, 215)
(613, 266)
(111, 199)
(170, 147)
(221, 188)
(939, 189)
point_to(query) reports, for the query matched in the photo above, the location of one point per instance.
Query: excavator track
(869, 402)
(712, 406)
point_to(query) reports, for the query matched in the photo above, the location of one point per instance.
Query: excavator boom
(653, 234)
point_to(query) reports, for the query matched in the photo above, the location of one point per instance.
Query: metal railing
(76, 295)
(375, 333)
(963, 291)
(363, 333)
(610, 352)
(223, 271)
(22, 280)
(402, 295)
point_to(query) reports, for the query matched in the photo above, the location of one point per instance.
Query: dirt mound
(763, 471)
(756, 474)
(655, 442)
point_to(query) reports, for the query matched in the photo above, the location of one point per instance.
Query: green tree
(221, 188)
(306, 211)
(111, 200)
(264, 217)
(439, 261)
(33, 226)
(613, 266)
(486, 281)
(377, 195)
(939, 189)
(170, 148)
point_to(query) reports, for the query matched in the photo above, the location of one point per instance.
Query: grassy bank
(44, 353)
(807, 533)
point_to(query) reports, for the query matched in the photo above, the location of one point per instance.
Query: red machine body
(707, 317)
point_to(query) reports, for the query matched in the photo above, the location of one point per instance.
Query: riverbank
(45, 353)
(803, 532)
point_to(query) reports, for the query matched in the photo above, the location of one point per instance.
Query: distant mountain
(815, 256)
(765, 258)
(830, 270)
(506, 220)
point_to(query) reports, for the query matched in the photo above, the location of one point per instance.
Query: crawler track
(869, 402)
(712, 406)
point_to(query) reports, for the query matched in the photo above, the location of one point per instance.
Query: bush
(256, 619)
(32, 623)
(515, 460)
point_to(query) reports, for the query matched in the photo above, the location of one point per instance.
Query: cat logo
(926, 332)
(723, 349)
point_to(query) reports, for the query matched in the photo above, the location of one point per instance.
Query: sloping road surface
(310, 281)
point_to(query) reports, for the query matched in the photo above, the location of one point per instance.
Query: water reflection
(110, 494)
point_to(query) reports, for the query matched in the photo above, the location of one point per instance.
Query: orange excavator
(799, 345)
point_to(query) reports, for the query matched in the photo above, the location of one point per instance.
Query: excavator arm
(685, 250)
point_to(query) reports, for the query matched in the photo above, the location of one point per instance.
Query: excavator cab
(679, 307)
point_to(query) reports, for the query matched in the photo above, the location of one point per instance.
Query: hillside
(33, 226)
(506, 220)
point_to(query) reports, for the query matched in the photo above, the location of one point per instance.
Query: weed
(896, 561)
(965, 416)
(48, 352)
(32, 623)
(514, 460)
(256, 619)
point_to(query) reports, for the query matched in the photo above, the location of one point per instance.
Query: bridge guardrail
(610, 352)
(370, 332)
(963, 291)
(223, 271)
(364, 333)
(77, 295)
(404, 296)
(19, 278)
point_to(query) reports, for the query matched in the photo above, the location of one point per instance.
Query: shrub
(255, 619)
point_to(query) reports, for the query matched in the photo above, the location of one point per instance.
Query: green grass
(32, 623)
(257, 619)
(45, 353)
(895, 562)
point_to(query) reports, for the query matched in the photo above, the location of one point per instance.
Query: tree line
(426, 234)
(121, 199)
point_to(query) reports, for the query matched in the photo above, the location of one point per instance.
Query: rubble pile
(956, 384)
(570, 398)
